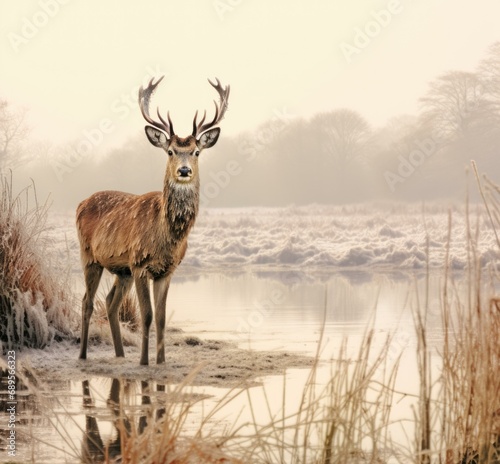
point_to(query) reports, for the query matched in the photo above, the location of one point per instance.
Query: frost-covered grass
(320, 237)
(376, 236)
(35, 304)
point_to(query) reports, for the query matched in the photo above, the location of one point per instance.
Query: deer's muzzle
(184, 173)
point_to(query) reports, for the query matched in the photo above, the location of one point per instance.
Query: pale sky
(75, 63)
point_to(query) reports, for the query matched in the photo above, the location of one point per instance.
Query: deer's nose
(184, 171)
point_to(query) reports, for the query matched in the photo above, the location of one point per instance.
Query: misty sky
(75, 63)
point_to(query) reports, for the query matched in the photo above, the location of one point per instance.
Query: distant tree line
(333, 157)
(337, 157)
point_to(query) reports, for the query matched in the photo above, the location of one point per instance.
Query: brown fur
(139, 237)
(120, 230)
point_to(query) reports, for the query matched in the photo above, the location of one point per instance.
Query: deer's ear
(209, 138)
(156, 137)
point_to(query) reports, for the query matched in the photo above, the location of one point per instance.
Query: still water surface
(262, 311)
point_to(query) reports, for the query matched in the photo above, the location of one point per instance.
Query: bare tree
(344, 135)
(489, 72)
(456, 106)
(13, 131)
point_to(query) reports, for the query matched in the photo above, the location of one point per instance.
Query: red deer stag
(142, 237)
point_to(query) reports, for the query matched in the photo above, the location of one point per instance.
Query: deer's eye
(197, 153)
(170, 152)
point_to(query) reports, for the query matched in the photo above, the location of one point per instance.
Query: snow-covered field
(368, 236)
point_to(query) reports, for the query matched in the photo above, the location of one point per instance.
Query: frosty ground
(309, 238)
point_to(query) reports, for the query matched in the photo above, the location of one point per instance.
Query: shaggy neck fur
(180, 203)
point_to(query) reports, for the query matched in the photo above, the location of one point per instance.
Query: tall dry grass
(346, 420)
(458, 412)
(35, 305)
(161, 438)
(470, 399)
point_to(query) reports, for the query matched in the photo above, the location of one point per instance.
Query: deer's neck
(180, 204)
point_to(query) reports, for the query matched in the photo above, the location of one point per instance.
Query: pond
(273, 311)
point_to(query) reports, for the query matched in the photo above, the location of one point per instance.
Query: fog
(331, 102)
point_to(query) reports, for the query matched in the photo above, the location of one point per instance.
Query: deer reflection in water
(94, 450)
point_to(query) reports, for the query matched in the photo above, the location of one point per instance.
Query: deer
(143, 238)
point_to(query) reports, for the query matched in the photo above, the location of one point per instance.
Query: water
(264, 311)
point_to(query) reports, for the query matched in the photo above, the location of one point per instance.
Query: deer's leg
(113, 303)
(160, 291)
(145, 400)
(142, 290)
(93, 273)
(110, 295)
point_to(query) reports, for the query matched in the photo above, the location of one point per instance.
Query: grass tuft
(34, 303)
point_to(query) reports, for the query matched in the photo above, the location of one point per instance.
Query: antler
(220, 109)
(144, 97)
